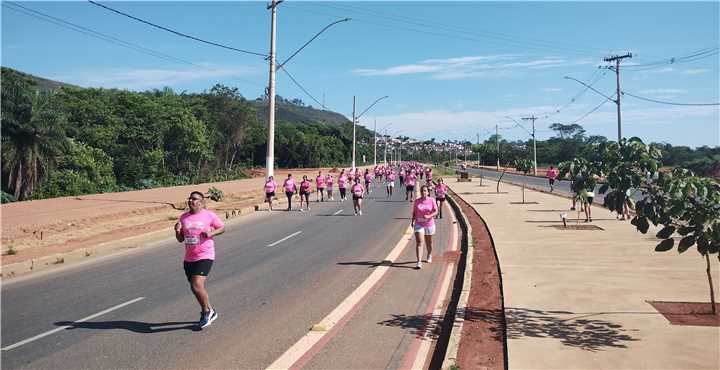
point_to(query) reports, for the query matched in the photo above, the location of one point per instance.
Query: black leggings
(342, 193)
(289, 196)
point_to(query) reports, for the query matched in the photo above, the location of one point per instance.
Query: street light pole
(270, 153)
(375, 144)
(355, 119)
(533, 118)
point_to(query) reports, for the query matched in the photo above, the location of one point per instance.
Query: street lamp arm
(311, 40)
(518, 124)
(371, 105)
(591, 88)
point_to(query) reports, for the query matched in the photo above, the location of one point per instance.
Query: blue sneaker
(207, 318)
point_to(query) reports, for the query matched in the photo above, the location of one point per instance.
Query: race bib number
(192, 240)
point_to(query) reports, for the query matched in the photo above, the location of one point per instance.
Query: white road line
(45, 334)
(284, 239)
(336, 213)
(436, 321)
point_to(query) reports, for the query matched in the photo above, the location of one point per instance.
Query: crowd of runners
(197, 227)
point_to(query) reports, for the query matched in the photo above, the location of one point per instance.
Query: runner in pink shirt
(390, 183)
(196, 229)
(410, 186)
(423, 214)
(552, 174)
(290, 190)
(270, 186)
(329, 183)
(320, 183)
(368, 180)
(357, 193)
(342, 180)
(305, 192)
(440, 192)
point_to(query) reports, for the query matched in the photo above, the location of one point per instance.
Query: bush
(215, 194)
(7, 198)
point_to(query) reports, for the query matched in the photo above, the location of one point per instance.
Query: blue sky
(451, 69)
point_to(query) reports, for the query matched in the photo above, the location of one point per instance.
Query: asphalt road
(267, 297)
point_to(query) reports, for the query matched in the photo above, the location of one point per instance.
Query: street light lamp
(355, 120)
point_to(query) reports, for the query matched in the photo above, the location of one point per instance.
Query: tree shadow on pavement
(426, 326)
(134, 326)
(586, 334)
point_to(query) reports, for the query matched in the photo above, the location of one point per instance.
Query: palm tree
(32, 135)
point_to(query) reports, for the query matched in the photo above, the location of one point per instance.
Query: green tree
(32, 135)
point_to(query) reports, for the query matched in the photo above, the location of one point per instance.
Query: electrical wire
(176, 32)
(591, 111)
(695, 56)
(668, 103)
(301, 87)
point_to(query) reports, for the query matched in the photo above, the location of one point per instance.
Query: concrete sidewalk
(576, 299)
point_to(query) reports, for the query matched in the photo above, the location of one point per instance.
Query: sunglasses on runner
(191, 199)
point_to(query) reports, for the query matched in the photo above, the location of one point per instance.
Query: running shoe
(207, 318)
(429, 259)
(418, 266)
(360, 212)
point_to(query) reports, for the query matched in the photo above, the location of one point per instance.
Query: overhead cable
(668, 103)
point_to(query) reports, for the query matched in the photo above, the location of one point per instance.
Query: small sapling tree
(524, 166)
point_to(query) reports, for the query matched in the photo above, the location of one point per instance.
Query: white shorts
(429, 230)
(391, 184)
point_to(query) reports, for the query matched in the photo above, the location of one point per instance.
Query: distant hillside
(288, 112)
(42, 84)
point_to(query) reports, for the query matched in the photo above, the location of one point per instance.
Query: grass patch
(439, 171)
(11, 250)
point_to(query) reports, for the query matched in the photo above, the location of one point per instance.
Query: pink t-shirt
(289, 185)
(552, 174)
(410, 180)
(441, 190)
(341, 181)
(422, 208)
(357, 190)
(196, 247)
(270, 186)
(368, 177)
(329, 181)
(305, 186)
(320, 182)
(391, 177)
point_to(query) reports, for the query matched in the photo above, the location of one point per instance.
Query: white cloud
(141, 79)
(551, 89)
(477, 66)
(694, 71)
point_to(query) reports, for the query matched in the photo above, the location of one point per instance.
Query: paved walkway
(577, 299)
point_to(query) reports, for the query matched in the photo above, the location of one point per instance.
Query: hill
(296, 113)
(42, 84)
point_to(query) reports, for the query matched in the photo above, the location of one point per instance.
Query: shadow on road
(373, 264)
(134, 326)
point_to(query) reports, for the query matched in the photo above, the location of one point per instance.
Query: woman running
(357, 192)
(440, 192)
(320, 183)
(410, 186)
(390, 183)
(305, 192)
(342, 180)
(423, 223)
(368, 181)
(329, 186)
(290, 189)
(270, 186)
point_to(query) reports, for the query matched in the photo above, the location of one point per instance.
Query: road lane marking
(284, 239)
(310, 343)
(45, 334)
(336, 213)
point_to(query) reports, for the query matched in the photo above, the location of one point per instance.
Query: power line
(176, 32)
(668, 103)
(597, 77)
(107, 38)
(591, 111)
(301, 87)
(698, 55)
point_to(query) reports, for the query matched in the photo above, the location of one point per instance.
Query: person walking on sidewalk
(423, 223)
(305, 192)
(342, 181)
(320, 183)
(196, 229)
(290, 190)
(357, 193)
(440, 192)
(552, 174)
(270, 186)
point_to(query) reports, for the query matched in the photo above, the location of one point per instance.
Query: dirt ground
(38, 228)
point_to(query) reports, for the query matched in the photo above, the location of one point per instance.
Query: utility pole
(270, 153)
(375, 144)
(533, 118)
(497, 141)
(478, 143)
(353, 153)
(617, 59)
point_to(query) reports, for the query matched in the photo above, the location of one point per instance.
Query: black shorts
(199, 267)
(355, 197)
(590, 200)
(441, 199)
(270, 194)
(552, 181)
(321, 189)
(304, 193)
(289, 194)
(410, 188)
